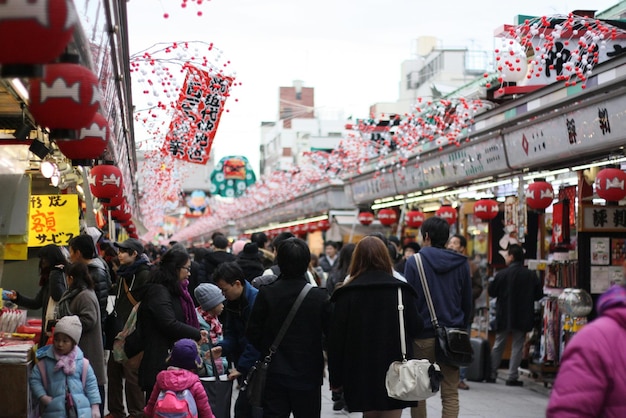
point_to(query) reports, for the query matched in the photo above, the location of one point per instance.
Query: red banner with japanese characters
(52, 219)
(197, 115)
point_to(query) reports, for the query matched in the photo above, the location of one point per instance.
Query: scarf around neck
(67, 363)
(187, 304)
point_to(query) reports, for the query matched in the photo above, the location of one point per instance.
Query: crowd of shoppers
(232, 309)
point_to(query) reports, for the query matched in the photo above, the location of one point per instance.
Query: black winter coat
(161, 322)
(364, 338)
(198, 275)
(299, 361)
(99, 272)
(214, 259)
(251, 265)
(517, 289)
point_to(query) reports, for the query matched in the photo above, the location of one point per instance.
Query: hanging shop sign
(52, 219)
(471, 161)
(197, 115)
(575, 134)
(372, 186)
(603, 219)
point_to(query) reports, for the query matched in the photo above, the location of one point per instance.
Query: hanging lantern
(122, 214)
(93, 140)
(387, 216)
(323, 225)
(105, 181)
(486, 209)
(38, 30)
(539, 195)
(296, 229)
(610, 184)
(448, 213)
(414, 218)
(65, 98)
(312, 227)
(366, 218)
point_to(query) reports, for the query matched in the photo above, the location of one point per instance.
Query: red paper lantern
(610, 184)
(122, 214)
(92, 142)
(312, 227)
(66, 98)
(323, 225)
(448, 213)
(38, 30)
(387, 216)
(486, 209)
(414, 218)
(366, 218)
(105, 181)
(296, 229)
(539, 195)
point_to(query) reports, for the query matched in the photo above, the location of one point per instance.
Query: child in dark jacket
(63, 374)
(182, 363)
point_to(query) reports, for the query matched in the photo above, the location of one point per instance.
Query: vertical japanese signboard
(52, 219)
(197, 115)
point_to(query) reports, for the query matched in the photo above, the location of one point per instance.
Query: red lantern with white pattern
(365, 218)
(323, 225)
(93, 140)
(113, 201)
(414, 218)
(539, 195)
(610, 184)
(448, 213)
(387, 216)
(486, 209)
(105, 181)
(67, 97)
(34, 32)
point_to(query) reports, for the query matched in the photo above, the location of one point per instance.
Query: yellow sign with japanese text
(52, 219)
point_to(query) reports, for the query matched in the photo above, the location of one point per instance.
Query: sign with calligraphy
(52, 219)
(603, 218)
(197, 115)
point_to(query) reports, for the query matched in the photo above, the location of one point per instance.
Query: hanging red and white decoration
(486, 209)
(93, 140)
(197, 115)
(414, 218)
(67, 97)
(539, 195)
(610, 184)
(323, 225)
(448, 213)
(105, 181)
(34, 31)
(365, 218)
(387, 216)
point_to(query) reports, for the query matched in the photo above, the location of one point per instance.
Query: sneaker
(463, 386)
(514, 383)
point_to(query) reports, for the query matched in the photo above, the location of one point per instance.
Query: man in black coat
(295, 375)
(218, 256)
(517, 289)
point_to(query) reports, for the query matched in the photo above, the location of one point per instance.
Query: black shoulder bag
(254, 384)
(452, 345)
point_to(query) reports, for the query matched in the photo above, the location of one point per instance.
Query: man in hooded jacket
(450, 284)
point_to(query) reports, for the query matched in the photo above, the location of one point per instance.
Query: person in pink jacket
(591, 381)
(183, 361)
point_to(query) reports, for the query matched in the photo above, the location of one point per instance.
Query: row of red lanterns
(64, 96)
(301, 229)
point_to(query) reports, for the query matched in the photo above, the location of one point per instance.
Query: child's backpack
(171, 404)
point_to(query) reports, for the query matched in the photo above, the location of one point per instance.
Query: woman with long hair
(364, 336)
(52, 262)
(80, 299)
(166, 314)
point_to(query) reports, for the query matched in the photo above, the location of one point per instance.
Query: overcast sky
(350, 51)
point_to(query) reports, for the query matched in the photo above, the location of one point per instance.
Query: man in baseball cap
(131, 244)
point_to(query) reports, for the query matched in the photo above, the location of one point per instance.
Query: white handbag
(411, 380)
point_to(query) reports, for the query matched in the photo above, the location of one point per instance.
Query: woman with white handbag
(364, 336)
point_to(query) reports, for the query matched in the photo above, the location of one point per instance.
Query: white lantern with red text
(486, 209)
